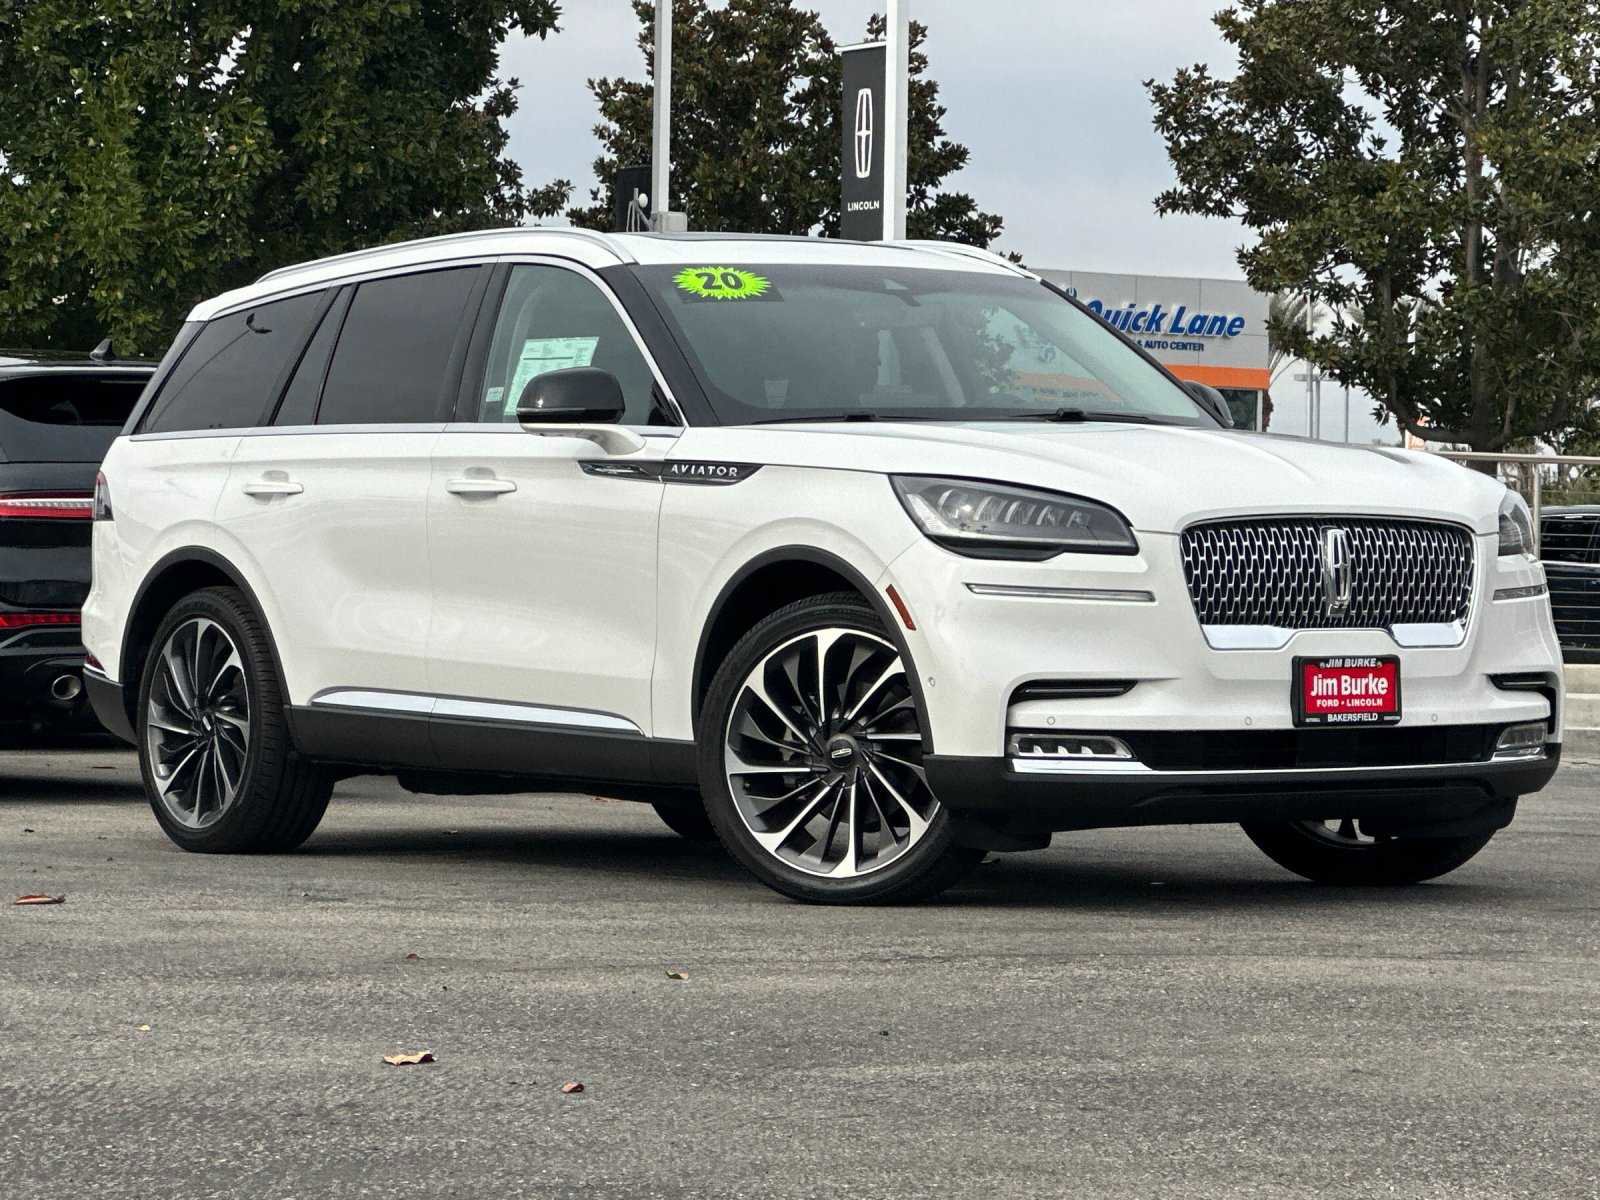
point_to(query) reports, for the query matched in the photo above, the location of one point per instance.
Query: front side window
(392, 360)
(226, 377)
(792, 342)
(552, 319)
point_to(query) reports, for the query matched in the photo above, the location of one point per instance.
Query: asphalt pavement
(1128, 1014)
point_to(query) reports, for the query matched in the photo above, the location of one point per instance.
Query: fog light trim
(1523, 740)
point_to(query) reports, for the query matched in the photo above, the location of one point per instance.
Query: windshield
(786, 342)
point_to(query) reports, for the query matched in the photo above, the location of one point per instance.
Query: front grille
(1268, 571)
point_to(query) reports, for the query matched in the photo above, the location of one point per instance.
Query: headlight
(994, 520)
(1516, 526)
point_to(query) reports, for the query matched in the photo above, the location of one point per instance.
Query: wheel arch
(175, 575)
(766, 583)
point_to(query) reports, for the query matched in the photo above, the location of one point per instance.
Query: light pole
(661, 134)
(897, 103)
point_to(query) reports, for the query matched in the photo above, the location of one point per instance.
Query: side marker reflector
(900, 607)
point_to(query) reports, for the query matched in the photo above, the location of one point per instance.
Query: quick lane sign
(864, 137)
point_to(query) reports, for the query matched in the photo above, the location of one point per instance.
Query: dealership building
(1211, 331)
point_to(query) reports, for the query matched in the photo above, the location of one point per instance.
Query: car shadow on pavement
(32, 789)
(638, 855)
(1157, 883)
(1154, 884)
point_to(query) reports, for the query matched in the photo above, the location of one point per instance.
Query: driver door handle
(479, 487)
(273, 487)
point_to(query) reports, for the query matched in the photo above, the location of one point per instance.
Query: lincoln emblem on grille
(1338, 575)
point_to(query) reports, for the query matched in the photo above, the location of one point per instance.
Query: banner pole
(661, 134)
(897, 78)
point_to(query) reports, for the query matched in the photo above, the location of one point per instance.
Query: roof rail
(588, 235)
(962, 250)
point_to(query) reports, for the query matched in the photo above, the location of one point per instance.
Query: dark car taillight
(46, 506)
(102, 497)
(33, 620)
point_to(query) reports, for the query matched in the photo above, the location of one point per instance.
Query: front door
(543, 549)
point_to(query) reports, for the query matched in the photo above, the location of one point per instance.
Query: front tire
(810, 749)
(1338, 852)
(214, 747)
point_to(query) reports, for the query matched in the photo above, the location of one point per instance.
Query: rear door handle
(273, 487)
(479, 487)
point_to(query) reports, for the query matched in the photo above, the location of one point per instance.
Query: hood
(1161, 478)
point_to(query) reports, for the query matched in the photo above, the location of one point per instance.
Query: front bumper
(976, 651)
(1429, 798)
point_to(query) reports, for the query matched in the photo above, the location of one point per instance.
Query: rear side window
(64, 416)
(394, 352)
(227, 379)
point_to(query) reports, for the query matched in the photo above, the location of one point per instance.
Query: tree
(157, 152)
(756, 95)
(1427, 172)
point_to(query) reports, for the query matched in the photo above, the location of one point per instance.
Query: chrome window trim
(421, 704)
(286, 430)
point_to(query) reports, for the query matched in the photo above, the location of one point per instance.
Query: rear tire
(214, 749)
(1345, 857)
(810, 750)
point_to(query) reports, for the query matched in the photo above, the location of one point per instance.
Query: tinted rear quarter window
(395, 350)
(64, 416)
(227, 378)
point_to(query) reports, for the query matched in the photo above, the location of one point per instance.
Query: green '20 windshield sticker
(722, 283)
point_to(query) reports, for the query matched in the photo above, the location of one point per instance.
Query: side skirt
(449, 755)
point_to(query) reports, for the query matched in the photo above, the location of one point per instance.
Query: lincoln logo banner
(861, 164)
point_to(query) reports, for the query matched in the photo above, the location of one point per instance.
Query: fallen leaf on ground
(571, 1086)
(40, 900)
(674, 973)
(413, 956)
(409, 1060)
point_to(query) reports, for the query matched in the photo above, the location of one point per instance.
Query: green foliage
(1429, 171)
(159, 151)
(756, 96)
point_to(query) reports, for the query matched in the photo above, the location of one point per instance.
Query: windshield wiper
(1074, 416)
(857, 415)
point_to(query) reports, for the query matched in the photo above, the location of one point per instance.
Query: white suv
(866, 559)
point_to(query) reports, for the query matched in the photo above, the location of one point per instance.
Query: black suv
(58, 416)
(1569, 544)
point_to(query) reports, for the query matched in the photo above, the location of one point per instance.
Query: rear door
(330, 501)
(543, 549)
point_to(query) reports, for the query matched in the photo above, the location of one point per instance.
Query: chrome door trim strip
(417, 704)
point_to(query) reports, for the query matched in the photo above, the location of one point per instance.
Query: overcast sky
(1047, 95)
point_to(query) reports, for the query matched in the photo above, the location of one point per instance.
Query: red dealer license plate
(1346, 691)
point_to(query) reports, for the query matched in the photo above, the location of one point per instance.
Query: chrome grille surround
(1256, 581)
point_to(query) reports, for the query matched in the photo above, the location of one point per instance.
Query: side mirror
(581, 402)
(1213, 401)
